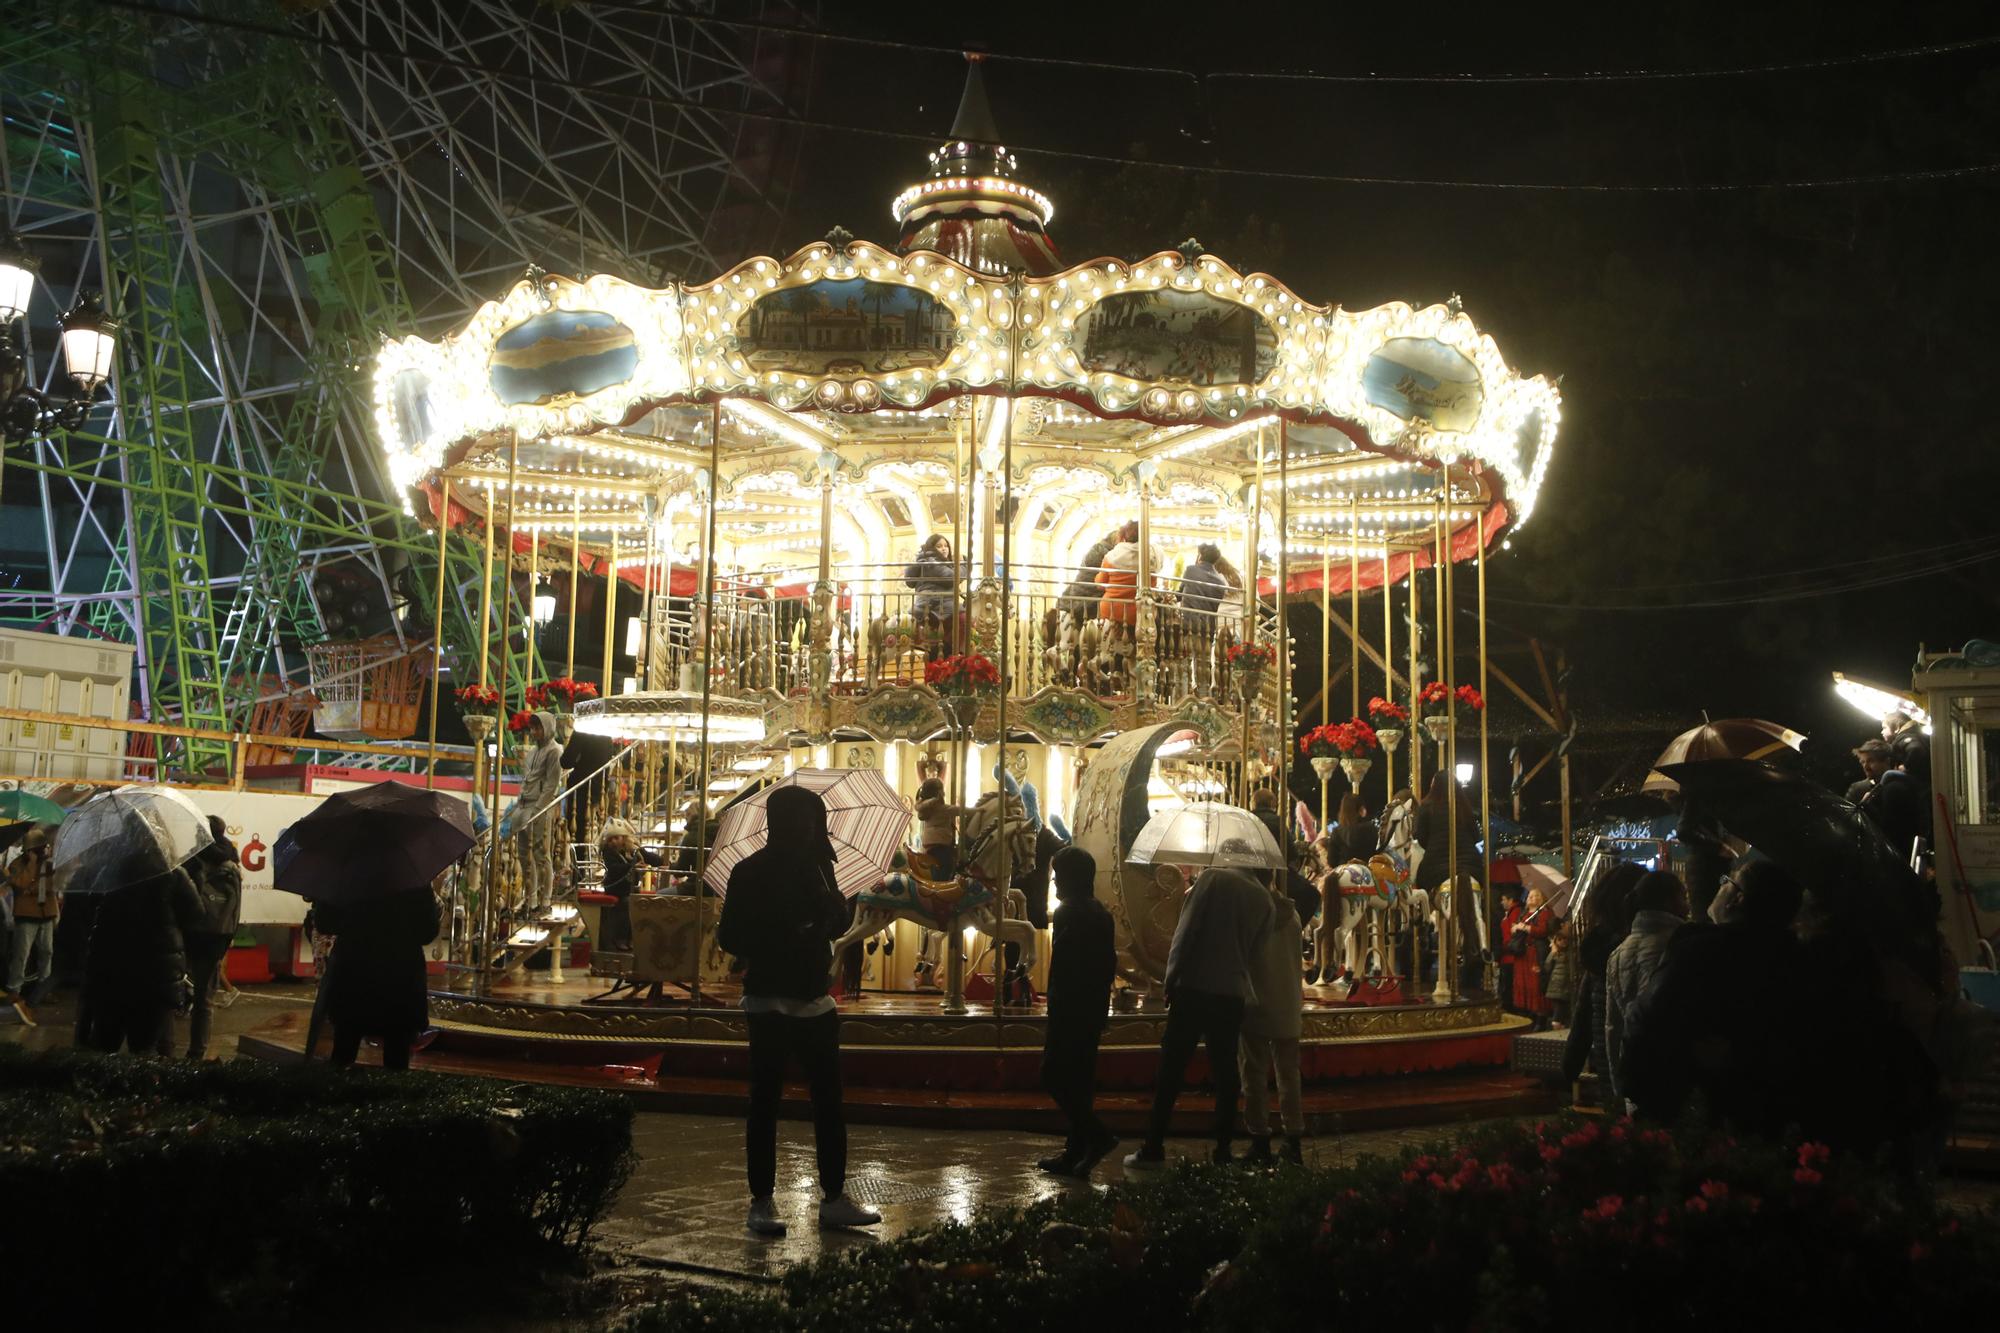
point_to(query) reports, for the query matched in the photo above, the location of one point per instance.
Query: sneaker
(1150, 1157)
(841, 1211)
(27, 1014)
(1094, 1154)
(1062, 1164)
(764, 1219)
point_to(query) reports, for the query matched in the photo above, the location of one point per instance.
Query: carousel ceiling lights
(672, 715)
(1879, 701)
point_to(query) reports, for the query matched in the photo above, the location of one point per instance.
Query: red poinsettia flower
(965, 673)
(520, 720)
(476, 696)
(1471, 699)
(1387, 710)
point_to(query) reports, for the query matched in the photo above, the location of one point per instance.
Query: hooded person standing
(1222, 926)
(534, 823)
(218, 881)
(1082, 963)
(376, 982)
(135, 974)
(779, 919)
(1272, 1025)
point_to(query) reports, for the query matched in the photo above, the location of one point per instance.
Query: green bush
(248, 1185)
(1514, 1227)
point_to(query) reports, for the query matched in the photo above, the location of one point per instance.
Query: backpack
(217, 888)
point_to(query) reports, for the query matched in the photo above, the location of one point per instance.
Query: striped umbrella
(1726, 738)
(865, 818)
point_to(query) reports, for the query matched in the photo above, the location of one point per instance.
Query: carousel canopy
(898, 377)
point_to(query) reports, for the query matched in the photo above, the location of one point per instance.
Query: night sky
(1758, 383)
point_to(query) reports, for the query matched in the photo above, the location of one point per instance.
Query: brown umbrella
(1727, 738)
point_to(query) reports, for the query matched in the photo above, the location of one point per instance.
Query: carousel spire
(973, 208)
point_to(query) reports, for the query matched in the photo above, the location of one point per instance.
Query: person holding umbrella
(781, 913)
(132, 845)
(366, 859)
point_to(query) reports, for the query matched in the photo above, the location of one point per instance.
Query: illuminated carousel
(825, 482)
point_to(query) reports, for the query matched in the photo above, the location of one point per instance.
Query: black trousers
(205, 954)
(775, 1039)
(1198, 1018)
(347, 1047)
(1069, 1076)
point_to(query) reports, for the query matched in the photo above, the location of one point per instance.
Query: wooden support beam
(1367, 649)
(1534, 705)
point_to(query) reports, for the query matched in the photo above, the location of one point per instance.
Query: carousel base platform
(1345, 1106)
(905, 1062)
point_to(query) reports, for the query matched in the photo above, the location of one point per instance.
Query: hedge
(248, 1186)
(1513, 1228)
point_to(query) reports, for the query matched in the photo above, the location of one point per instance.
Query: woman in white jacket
(1271, 1026)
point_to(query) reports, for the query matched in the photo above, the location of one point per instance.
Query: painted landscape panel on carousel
(849, 326)
(1187, 337)
(561, 353)
(1421, 379)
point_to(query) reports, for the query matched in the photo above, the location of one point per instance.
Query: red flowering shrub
(1436, 694)
(520, 720)
(476, 697)
(1347, 740)
(966, 673)
(1387, 712)
(1250, 656)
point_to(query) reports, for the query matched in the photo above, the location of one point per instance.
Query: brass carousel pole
(1325, 653)
(1448, 752)
(1284, 647)
(437, 633)
(500, 708)
(1388, 667)
(702, 848)
(575, 567)
(1250, 605)
(1006, 593)
(1416, 679)
(610, 609)
(1485, 787)
(1354, 602)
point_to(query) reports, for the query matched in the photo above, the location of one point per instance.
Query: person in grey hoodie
(1662, 906)
(1222, 927)
(534, 824)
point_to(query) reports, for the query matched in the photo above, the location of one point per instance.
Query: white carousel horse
(1352, 892)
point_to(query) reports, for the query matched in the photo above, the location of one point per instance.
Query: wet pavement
(685, 1204)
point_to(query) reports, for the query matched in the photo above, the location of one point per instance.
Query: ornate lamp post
(89, 343)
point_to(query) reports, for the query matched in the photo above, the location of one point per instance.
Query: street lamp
(89, 345)
(544, 602)
(1464, 774)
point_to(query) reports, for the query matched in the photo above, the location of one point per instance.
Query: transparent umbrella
(126, 835)
(1207, 833)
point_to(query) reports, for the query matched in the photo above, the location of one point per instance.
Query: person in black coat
(218, 880)
(779, 919)
(1605, 922)
(585, 758)
(1443, 806)
(135, 973)
(376, 983)
(1081, 966)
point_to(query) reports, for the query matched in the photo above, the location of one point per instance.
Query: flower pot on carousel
(1356, 768)
(1438, 725)
(963, 683)
(1248, 661)
(1388, 718)
(1323, 765)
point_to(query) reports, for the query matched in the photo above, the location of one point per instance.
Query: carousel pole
(1416, 679)
(1388, 669)
(486, 600)
(1250, 604)
(610, 608)
(1325, 657)
(702, 848)
(437, 634)
(1284, 646)
(1006, 489)
(500, 708)
(1449, 960)
(575, 567)
(1485, 781)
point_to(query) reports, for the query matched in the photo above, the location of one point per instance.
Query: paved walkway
(686, 1201)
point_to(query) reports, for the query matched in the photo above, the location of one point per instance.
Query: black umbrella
(371, 841)
(1827, 843)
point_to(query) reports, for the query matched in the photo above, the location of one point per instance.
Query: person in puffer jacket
(1661, 903)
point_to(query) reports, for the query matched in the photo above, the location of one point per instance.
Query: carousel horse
(947, 906)
(1379, 890)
